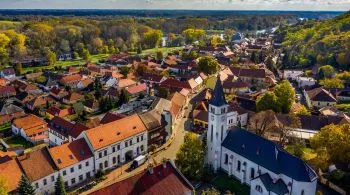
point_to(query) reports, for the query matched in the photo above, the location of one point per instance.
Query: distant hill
(317, 42)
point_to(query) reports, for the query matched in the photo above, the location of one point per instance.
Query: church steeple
(218, 95)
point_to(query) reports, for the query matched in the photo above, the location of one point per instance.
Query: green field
(165, 50)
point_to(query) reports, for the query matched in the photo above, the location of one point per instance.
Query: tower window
(252, 173)
(222, 132)
(226, 159)
(239, 166)
(211, 133)
(258, 188)
(213, 110)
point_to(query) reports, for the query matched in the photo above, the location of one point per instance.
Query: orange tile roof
(178, 99)
(31, 124)
(71, 78)
(70, 153)
(125, 83)
(11, 171)
(107, 134)
(37, 164)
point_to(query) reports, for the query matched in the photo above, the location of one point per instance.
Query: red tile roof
(137, 88)
(11, 171)
(110, 117)
(162, 181)
(7, 90)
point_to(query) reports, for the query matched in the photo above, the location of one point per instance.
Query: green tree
(86, 55)
(332, 83)
(139, 49)
(75, 55)
(60, 188)
(19, 68)
(163, 92)
(51, 58)
(123, 98)
(25, 186)
(285, 94)
(191, 35)
(325, 71)
(4, 56)
(303, 111)
(3, 186)
(190, 157)
(211, 191)
(255, 57)
(267, 101)
(159, 55)
(152, 38)
(208, 65)
(124, 48)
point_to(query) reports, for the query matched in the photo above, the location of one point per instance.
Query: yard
(306, 153)
(210, 82)
(18, 142)
(223, 183)
(164, 50)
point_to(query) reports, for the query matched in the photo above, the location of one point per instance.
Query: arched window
(302, 192)
(239, 166)
(114, 160)
(258, 188)
(252, 173)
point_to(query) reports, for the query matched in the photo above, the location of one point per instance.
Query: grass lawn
(5, 127)
(165, 50)
(307, 155)
(211, 81)
(17, 141)
(223, 183)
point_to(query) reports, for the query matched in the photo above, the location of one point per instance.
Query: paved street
(182, 125)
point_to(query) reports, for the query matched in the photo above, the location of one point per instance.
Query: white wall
(55, 138)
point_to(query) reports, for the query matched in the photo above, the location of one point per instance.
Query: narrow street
(182, 125)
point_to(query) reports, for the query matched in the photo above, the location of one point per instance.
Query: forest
(317, 42)
(23, 36)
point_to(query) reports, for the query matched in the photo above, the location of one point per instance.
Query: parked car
(138, 161)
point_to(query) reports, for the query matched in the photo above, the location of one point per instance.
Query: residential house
(74, 161)
(31, 128)
(112, 93)
(152, 79)
(24, 97)
(4, 82)
(155, 124)
(39, 102)
(163, 106)
(110, 117)
(49, 84)
(254, 77)
(233, 87)
(175, 85)
(137, 90)
(7, 91)
(58, 93)
(61, 131)
(124, 83)
(292, 74)
(162, 179)
(55, 111)
(10, 112)
(319, 97)
(39, 167)
(178, 101)
(8, 73)
(73, 98)
(305, 82)
(30, 88)
(11, 171)
(343, 94)
(84, 83)
(117, 142)
(91, 106)
(71, 80)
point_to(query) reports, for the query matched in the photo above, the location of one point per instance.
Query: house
(155, 124)
(10, 112)
(4, 82)
(7, 91)
(30, 88)
(162, 179)
(178, 101)
(71, 80)
(55, 111)
(8, 73)
(61, 131)
(292, 74)
(39, 102)
(49, 84)
(11, 171)
(254, 77)
(137, 90)
(305, 82)
(39, 167)
(84, 83)
(73, 98)
(58, 93)
(319, 97)
(249, 157)
(232, 87)
(163, 106)
(112, 93)
(24, 97)
(124, 83)
(152, 79)
(74, 161)
(343, 94)
(175, 85)
(31, 128)
(110, 117)
(117, 142)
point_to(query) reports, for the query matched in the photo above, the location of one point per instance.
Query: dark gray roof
(268, 155)
(278, 187)
(218, 95)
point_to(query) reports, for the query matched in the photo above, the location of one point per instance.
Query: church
(253, 160)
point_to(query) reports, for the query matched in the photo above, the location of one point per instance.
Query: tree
(4, 56)
(86, 55)
(262, 122)
(325, 71)
(3, 186)
(75, 55)
(60, 188)
(160, 55)
(152, 38)
(19, 68)
(163, 92)
(267, 101)
(302, 111)
(334, 141)
(25, 186)
(285, 94)
(190, 157)
(123, 98)
(51, 58)
(191, 35)
(139, 49)
(4, 40)
(285, 127)
(208, 65)
(124, 48)
(332, 83)
(215, 40)
(211, 191)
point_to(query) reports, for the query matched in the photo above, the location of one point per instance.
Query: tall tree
(51, 58)
(152, 38)
(190, 157)
(267, 101)
(208, 65)
(60, 188)
(263, 122)
(325, 71)
(285, 94)
(86, 55)
(25, 186)
(160, 55)
(123, 98)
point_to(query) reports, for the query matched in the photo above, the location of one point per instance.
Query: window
(141, 148)
(114, 160)
(88, 175)
(106, 163)
(66, 184)
(212, 110)
(137, 139)
(79, 166)
(239, 166)
(113, 149)
(126, 144)
(226, 159)
(80, 177)
(100, 155)
(141, 137)
(45, 182)
(118, 147)
(105, 152)
(72, 169)
(73, 181)
(52, 178)
(118, 159)
(211, 133)
(101, 166)
(130, 142)
(222, 132)
(64, 173)
(87, 163)
(252, 173)
(36, 185)
(302, 192)
(258, 188)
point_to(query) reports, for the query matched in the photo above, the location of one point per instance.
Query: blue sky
(326, 5)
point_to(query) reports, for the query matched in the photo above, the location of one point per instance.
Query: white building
(253, 160)
(292, 74)
(305, 81)
(117, 142)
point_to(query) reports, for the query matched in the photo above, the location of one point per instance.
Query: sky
(324, 5)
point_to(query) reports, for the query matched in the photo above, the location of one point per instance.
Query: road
(169, 152)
